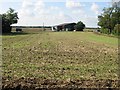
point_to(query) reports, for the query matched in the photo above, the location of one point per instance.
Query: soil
(46, 84)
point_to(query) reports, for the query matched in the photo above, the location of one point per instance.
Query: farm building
(64, 27)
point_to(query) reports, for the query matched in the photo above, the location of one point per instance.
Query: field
(59, 58)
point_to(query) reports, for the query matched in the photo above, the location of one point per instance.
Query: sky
(54, 12)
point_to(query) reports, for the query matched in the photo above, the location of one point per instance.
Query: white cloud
(54, 8)
(73, 4)
(78, 12)
(64, 17)
(95, 8)
(39, 5)
(25, 10)
(35, 13)
(47, 19)
(90, 21)
(76, 8)
(27, 4)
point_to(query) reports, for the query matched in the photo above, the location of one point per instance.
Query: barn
(64, 27)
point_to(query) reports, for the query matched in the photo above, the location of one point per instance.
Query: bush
(116, 30)
(6, 28)
(104, 30)
(79, 26)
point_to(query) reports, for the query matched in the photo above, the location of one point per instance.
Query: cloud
(95, 8)
(27, 4)
(54, 8)
(65, 18)
(39, 5)
(76, 8)
(90, 21)
(37, 12)
(25, 10)
(78, 12)
(72, 4)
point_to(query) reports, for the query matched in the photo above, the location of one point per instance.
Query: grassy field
(59, 55)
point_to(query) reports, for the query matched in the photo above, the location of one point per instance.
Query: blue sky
(53, 12)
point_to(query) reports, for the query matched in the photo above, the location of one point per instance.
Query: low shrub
(104, 30)
(116, 30)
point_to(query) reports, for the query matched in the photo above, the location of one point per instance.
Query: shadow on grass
(17, 33)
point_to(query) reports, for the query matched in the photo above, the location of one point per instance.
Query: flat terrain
(62, 56)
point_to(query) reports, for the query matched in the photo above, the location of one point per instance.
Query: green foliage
(104, 30)
(109, 18)
(8, 18)
(79, 26)
(116, 30)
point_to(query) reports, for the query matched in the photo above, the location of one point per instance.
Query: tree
(79, 26)
(116, 29)
(8, 18)
(110, 17)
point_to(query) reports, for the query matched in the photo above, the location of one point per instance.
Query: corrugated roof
(64, 24)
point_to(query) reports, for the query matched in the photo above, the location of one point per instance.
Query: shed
(64, 27)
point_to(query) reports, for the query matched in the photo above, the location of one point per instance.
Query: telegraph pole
(43, 26)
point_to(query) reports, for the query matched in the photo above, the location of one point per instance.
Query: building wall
(64, 27)
(69, 27)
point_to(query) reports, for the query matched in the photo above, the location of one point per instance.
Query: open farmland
(61, 57)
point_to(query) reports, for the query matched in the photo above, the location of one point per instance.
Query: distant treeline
(31, 26)
(45, 27)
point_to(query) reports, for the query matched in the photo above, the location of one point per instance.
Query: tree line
(109, 20)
